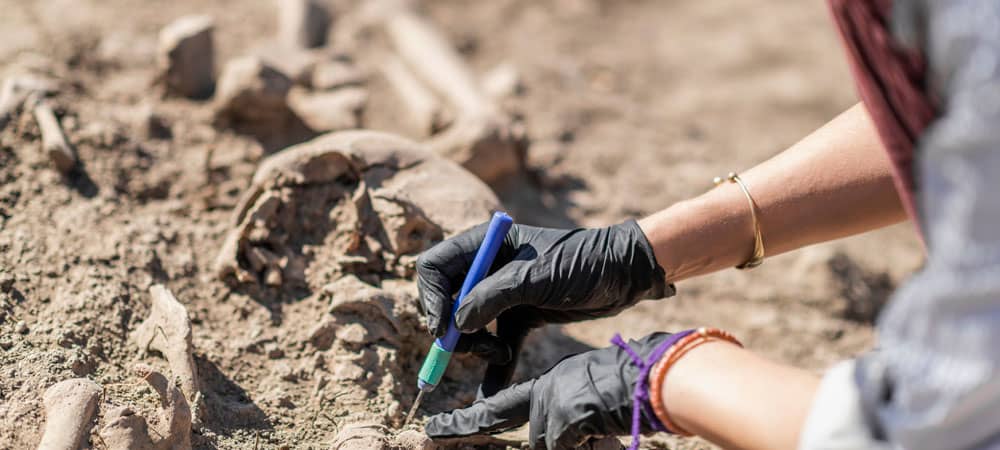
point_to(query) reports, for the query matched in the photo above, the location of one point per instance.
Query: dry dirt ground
(629, 105)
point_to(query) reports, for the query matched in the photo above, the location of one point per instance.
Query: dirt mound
(318, 328)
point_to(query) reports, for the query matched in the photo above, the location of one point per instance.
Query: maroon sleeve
(891, 82)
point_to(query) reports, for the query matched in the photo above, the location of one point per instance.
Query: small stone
(68, 339)
(154, 126)
(273, 277)
(285, 401)
(21, 327)
(414, 440)
(361, 436)
(302, 23)
(6, 282)
(275, 352)
(323, 334)
(186, 56)
(353, 333)
(393, 410)
(348, 371)
(285, 372)
(298, 64)
(251, 93)
(340, 109)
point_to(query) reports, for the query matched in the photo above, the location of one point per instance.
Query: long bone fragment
(54, 142)
(425, 110)
(168, 330)
(70, 407)
(483, 138)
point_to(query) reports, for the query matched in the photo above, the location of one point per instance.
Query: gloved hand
(585, 396)
(540, 275)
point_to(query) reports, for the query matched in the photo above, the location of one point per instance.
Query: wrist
(638, 257)
(689, 342)
(701, 235)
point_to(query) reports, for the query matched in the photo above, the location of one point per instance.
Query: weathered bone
(70, 407)
(175, 413)
(125, 430)
(16, 90)
(302, 23)
(426, 112)
(168, 330)
(54, 142)
(406, 174)
(483, 139)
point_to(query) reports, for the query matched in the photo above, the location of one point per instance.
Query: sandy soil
(629, 105)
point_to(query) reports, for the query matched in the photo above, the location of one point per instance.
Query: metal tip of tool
(413, 409)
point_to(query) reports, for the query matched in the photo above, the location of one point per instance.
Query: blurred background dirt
(630, 106)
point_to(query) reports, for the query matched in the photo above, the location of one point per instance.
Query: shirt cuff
(836, 419)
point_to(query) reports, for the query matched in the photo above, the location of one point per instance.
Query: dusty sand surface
(629, 106)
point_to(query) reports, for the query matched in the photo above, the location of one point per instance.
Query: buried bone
(125, 430)
(70, 408)
(339, 109)
(54, 143)
(482, 138)
(167, 330)
(426, 112)
(373, 199)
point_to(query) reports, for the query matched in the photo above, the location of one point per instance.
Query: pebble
(21, 327)
(353, 333)
(252, 92)
(186, 56)
(6, 282)
(414, 440)
(339, 109)
(275, 352)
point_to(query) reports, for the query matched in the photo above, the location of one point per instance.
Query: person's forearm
(736, 399)
(834, 183)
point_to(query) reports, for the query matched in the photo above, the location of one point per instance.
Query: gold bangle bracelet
(758, 241)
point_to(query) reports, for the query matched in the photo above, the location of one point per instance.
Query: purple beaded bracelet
(640, 395)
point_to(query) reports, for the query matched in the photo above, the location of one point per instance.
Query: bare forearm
(737, 399)
(834, 183)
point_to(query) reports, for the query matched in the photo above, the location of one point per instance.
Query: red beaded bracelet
(674, 354)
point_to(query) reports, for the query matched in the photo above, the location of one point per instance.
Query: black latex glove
(585, 396)
(539, 276)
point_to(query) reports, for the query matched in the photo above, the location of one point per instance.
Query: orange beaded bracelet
(675, 353)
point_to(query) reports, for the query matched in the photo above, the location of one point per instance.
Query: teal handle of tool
(439, 355)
